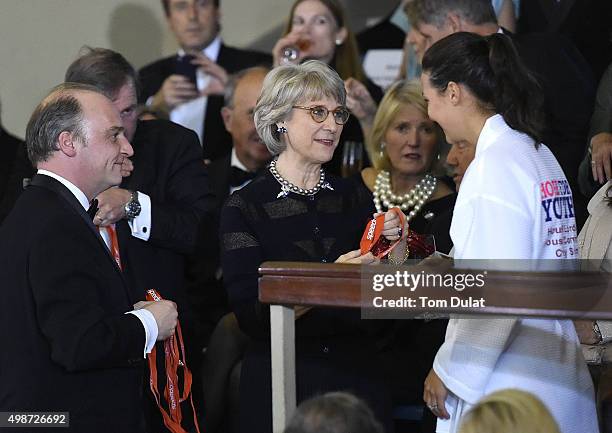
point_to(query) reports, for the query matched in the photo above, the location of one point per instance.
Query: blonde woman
(509, 411)
(406, 148)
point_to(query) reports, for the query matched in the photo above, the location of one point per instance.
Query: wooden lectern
(568, 295)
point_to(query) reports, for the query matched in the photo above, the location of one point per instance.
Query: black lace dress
(335, 349)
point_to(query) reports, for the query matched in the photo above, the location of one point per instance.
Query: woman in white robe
(514, 202)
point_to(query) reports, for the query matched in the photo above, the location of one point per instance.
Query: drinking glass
(352, 158)
(421, 246)
(291, 53)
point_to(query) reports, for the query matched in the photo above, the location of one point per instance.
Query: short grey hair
(334, 412)
(234, 79)
(286, 86)
(58, 112)
(434, 12)
(105, 69)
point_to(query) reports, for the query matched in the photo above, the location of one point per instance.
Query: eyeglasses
(319, 113)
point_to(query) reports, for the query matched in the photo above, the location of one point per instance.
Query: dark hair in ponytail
(492, 70)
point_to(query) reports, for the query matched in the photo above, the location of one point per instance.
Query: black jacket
(168, 168)
(68, 346)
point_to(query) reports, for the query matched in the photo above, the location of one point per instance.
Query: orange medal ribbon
(114, 243)
(175, 359)
(372, 239)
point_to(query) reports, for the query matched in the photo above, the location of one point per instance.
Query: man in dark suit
(381, 47)
(587, 23)
(69, 344)
(15, 169)
(566, 81)
(189, 89)
(388, 33)
(9, 145)
(157, 209)
(248, 156)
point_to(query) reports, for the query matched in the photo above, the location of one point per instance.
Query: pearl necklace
(415, 198)
(287, 187)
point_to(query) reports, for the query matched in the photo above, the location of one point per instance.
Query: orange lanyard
(114, 243)
(175, 359)
(372, 239)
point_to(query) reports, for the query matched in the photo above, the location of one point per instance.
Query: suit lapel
(225, 184)
(219, 175)
(52, 184)
(555, 12)
(566, 7)
(222, 58)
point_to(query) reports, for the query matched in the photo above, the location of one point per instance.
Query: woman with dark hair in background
(318, 29)
(514, 202)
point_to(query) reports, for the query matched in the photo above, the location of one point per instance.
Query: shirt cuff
(141, 225)
(150, 327)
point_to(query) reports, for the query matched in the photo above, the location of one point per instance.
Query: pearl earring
(338, 41)
(281, 129)
(381, 152)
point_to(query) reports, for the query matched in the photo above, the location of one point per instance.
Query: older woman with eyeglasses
(296, 212)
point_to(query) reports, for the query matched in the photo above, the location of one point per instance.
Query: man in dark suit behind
(248, 156)
(166, 87)
(169, 183)
(587, 23)
(68, 343)
(9, 146)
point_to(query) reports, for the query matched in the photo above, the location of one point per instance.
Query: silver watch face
(132, 208)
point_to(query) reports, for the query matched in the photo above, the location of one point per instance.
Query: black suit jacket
(202, 271)
(168, 167)
(384, 35)
(13, 173)
(67, 344)
(588, 23)
(219, 173)
(569, 92)
(217, 141)
(9, 147)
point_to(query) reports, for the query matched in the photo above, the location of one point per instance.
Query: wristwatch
(132, 207)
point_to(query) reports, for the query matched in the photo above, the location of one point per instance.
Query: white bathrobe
(514, 203)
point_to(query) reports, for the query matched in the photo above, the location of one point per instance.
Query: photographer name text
(427, 302)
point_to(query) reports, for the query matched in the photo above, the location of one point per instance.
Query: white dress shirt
(141, 224)
(191, 114)
(235, 162)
